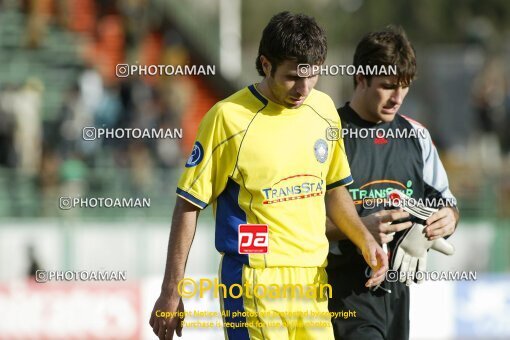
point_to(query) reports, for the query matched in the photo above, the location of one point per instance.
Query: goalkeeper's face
(286, 87)
(382, 97)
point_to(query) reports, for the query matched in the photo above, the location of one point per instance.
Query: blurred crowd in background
(57, 76)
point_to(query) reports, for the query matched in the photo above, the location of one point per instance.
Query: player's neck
(357, 105)
(263, 88)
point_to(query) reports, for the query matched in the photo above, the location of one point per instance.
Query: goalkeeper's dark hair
(387, 47)
(290, 36)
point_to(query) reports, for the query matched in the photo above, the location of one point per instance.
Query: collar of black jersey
(352, 116)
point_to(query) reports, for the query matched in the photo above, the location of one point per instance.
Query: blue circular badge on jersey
(321, 150)
(197, 154)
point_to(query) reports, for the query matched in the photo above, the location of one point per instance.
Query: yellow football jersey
(258, 162)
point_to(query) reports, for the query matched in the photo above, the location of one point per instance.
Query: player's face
(285, 87)
(383, 97)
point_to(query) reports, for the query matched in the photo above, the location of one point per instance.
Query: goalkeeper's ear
(443, 246)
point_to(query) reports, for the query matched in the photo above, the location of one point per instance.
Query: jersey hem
(343, 182)
(190, 198)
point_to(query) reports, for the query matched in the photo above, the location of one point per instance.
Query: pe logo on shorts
(321, 150)
(197, 154)
(253, 238)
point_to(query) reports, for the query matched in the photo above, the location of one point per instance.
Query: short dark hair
(290, 36)
(387, 47)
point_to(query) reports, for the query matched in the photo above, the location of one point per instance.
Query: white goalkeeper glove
(412, 252)
(412, 248)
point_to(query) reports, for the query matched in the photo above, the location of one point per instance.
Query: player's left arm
(443, 222)
(340, 209)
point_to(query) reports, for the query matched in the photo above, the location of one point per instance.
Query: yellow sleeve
(339, 173)
(211, 162)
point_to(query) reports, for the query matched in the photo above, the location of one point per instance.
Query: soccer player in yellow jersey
(263, 159)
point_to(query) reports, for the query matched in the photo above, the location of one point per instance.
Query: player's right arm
(183, 228)
(204, 178)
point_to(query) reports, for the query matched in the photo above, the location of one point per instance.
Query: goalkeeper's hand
(441, 223)
(411, 252)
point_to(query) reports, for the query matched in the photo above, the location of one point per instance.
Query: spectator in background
(33, 263)
(28, 133)
(7, 127)
(488, 95)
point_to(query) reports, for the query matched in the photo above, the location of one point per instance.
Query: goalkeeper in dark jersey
(392, 153)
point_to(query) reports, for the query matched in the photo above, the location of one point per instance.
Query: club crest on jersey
(321, 150)
(197, 154)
